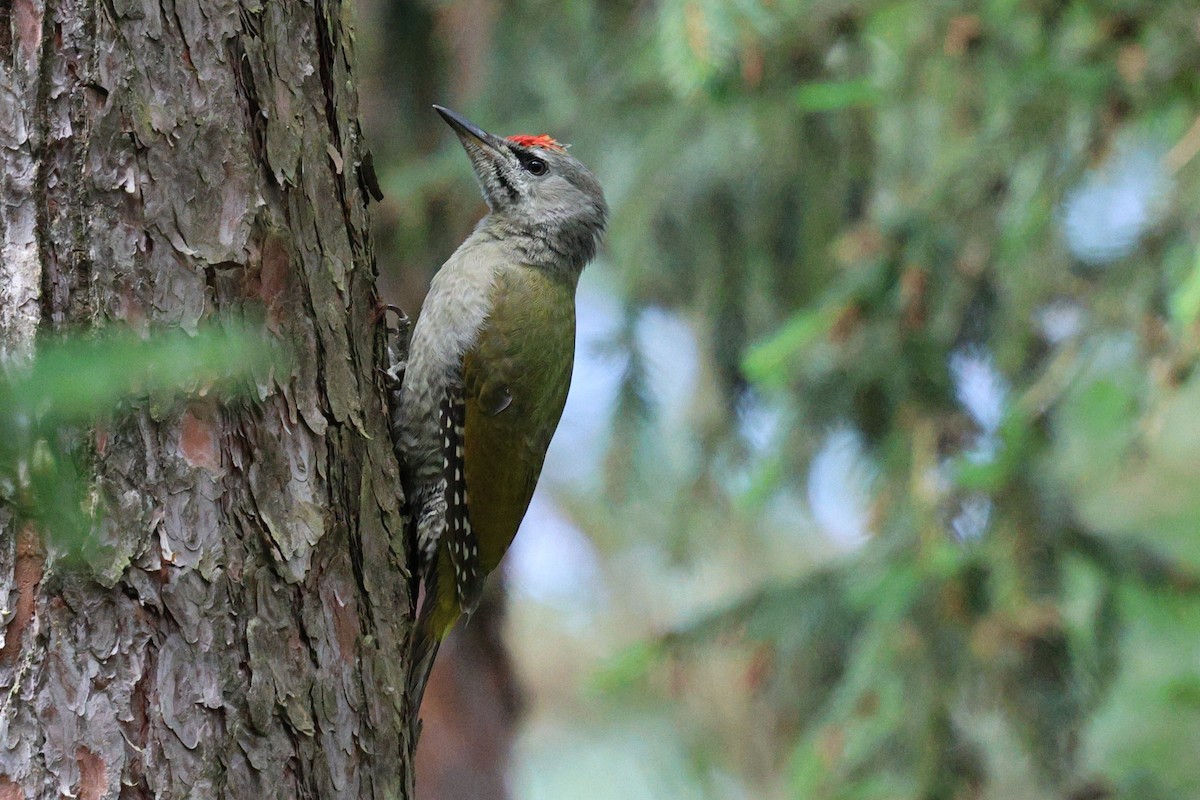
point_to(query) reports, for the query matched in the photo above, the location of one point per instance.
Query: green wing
(515, 383)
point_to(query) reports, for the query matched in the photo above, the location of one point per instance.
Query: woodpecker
(489, 364)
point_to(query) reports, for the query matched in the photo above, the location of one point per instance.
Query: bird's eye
(536, 166)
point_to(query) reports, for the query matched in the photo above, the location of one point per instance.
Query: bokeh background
(879, 474)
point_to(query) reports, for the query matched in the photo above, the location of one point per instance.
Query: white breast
(453, 314)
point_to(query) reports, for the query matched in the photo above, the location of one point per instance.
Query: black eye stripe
(532, 163)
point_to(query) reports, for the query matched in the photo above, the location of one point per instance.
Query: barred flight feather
(460, 538)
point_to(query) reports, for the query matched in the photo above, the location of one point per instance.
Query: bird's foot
(396, 336)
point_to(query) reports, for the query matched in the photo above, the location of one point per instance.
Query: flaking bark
(172, 164)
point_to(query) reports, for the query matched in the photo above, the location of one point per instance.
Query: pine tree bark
(170, 164)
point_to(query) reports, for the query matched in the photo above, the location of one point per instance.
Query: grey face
(538, 188)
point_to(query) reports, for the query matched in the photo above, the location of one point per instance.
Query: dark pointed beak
(490, 159)
(467, 130)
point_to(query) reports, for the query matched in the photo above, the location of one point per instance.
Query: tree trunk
(171, 164)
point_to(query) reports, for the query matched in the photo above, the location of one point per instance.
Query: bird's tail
(424, 643)
(424, 651)
(437, 611)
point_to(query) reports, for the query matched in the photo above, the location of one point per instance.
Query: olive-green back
(515, 382)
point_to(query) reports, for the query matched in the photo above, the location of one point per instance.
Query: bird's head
(533, 184)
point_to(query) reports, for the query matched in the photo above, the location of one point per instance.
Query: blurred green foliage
(49, 400)
(844, 197)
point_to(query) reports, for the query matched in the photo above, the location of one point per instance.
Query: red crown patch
(541, 140)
